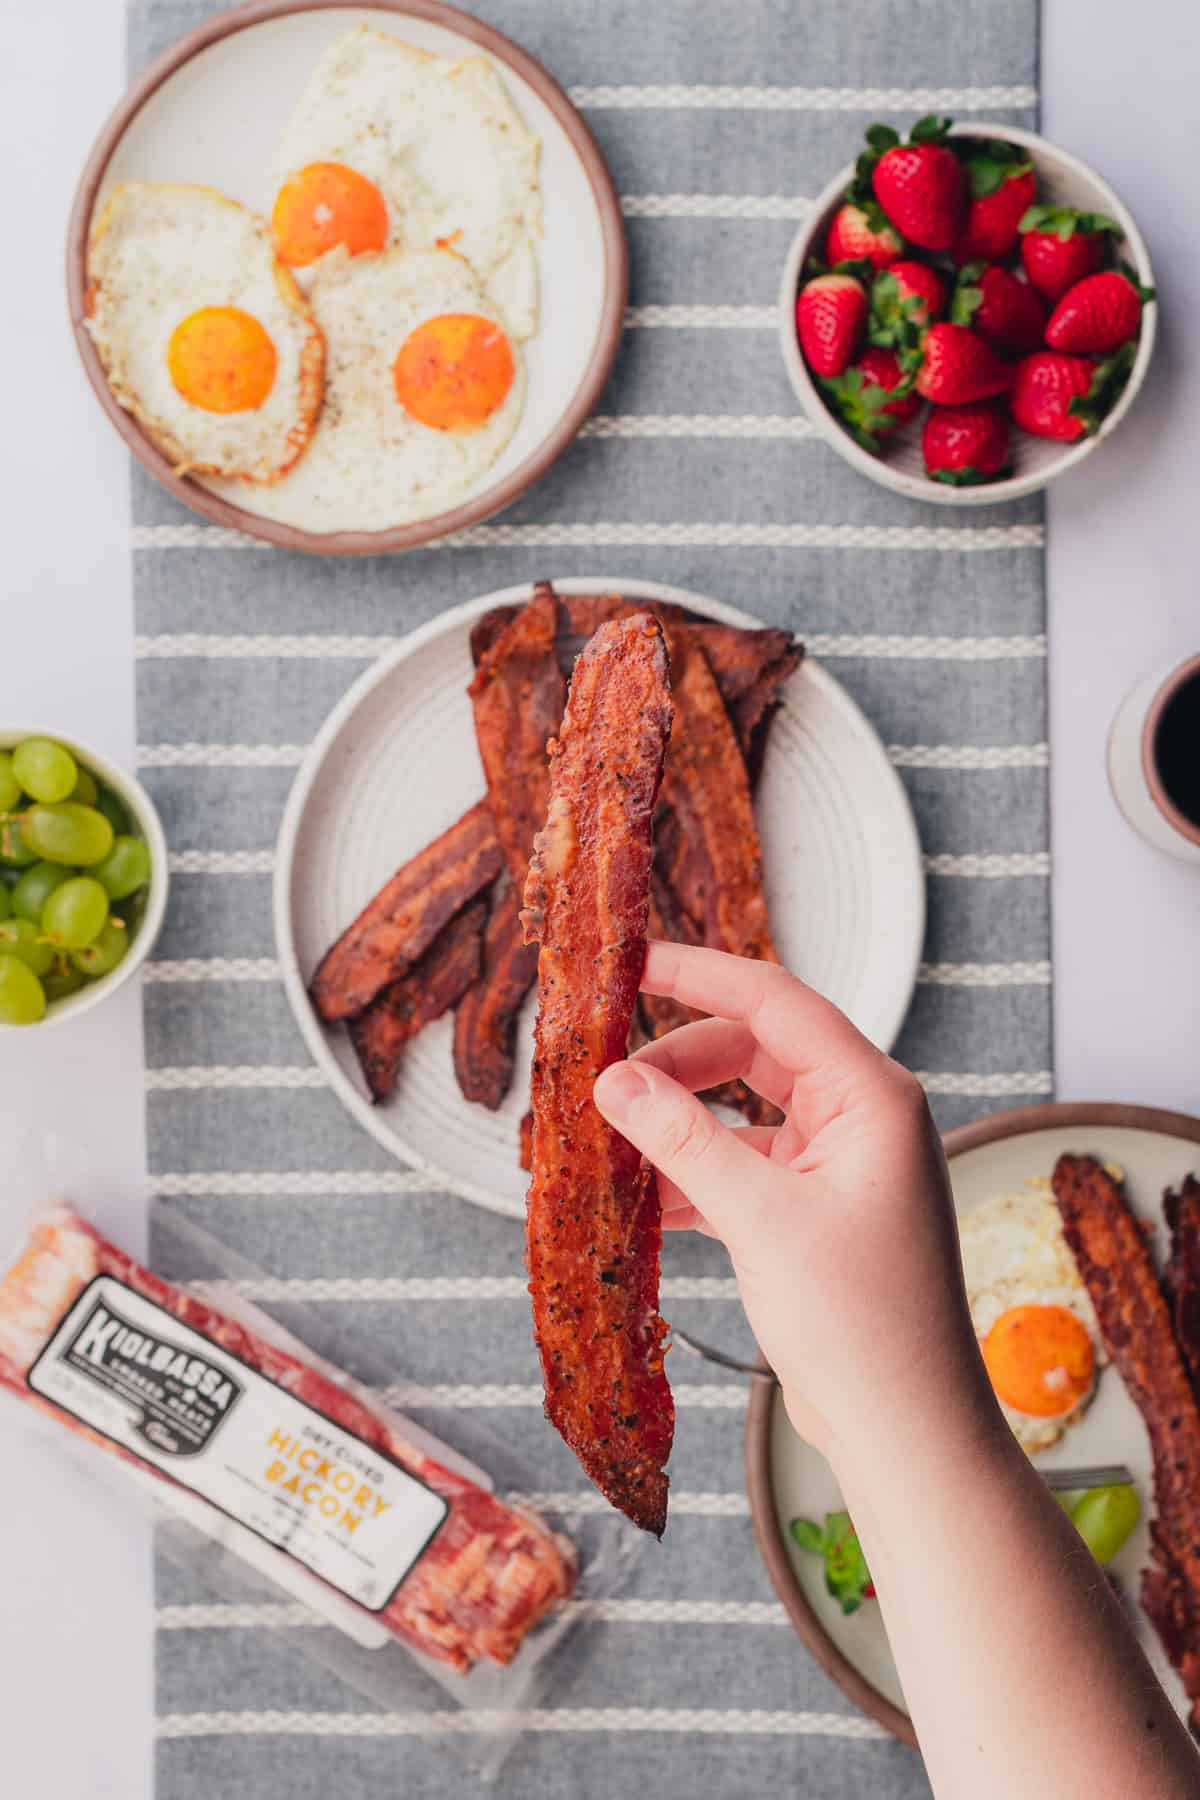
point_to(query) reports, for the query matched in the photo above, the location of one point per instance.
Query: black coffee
(1177, 749)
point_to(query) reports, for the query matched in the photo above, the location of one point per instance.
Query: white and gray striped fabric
(717, 121)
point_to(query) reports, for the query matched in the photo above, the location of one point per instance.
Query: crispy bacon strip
(713, 860)
(750, 664)
(431, 987)
(517, 696)
(1182, 1274)
(1135, 1322)
(593, 1231)
(485, 1021)
(395, 929)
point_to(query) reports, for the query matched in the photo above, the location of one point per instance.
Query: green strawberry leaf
(996, 164)
(968, 295)
(882, 137)
(1108, 381)
(929, 130)
(861, 267)
(1064, 221)
(967, 477)
(1144, 294)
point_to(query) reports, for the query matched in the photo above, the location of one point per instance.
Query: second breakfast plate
(212, 110)
(396, 763)
(787, 1479)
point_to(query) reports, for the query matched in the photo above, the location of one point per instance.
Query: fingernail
(621, 1087)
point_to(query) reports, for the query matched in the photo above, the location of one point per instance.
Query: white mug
(1133, 771)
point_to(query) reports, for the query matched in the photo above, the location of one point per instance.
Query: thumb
(726, 1180)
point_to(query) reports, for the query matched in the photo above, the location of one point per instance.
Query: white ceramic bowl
(1063, 180)
(147, 824)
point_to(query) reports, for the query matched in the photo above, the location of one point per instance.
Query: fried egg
(204, 336)
(424, 388)
(1032, 1314)
(392, 147)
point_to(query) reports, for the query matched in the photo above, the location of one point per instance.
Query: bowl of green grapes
(83, 878)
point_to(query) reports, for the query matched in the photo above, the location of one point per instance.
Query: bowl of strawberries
(967, 312)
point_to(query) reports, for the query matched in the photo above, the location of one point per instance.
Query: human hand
(839, 1222)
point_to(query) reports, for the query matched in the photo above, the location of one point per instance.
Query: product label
(130, 1370)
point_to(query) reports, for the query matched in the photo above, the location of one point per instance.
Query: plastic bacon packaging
(300, 1478)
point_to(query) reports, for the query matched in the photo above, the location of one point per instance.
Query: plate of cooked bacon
(781, 832)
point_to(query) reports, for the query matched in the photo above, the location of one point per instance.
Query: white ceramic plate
(998, 1155)
(213, 111)
(396, 763)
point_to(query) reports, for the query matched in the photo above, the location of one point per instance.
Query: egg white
(159, 252)
(445, 146)
(1014, 1253)
(370, 464)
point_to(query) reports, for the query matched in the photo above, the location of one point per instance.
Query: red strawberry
(904, 298)
(830, 314)
(1007, 312)
(1059, 246)
(958, 366)
(966, 444)
(859, 230)
(920, 185)
(1098, 313)
(861, 400)
(1065, 397)
(1002, 189)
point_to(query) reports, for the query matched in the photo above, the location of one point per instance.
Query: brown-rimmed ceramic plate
(212, 110)
(787, 1479)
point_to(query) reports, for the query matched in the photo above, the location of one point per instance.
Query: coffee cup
(1154, 759)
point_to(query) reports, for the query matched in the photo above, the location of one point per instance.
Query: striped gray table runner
(717, 121)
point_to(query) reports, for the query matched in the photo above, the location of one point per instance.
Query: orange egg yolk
(220, 358)
(454, 371)
(324, 205)
(1040, 1359)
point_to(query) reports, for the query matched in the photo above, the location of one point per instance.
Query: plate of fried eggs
(347, 279)
(1041, 1346)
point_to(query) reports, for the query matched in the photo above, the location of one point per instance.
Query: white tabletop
(75, 1624)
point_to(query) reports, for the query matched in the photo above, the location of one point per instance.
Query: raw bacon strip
(593, 1231)
(1182, 1274)
(489, 1573)
(517, 696)
(1114, 1260)
(485, 1021)
(431, 987)
(397, 927)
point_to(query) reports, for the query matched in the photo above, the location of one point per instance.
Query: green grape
(105, 953)
(75, 913)
(44, 769)
(10, 787)
(125, 869)
(67, 833)
(63, 979)
(34, 888)
(113, 809)
(22, 997)
(1105, 1517)
(19, 938)
(5, 902)
(86, 789)
(13, 849)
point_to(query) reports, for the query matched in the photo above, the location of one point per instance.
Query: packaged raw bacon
(254, 1445)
